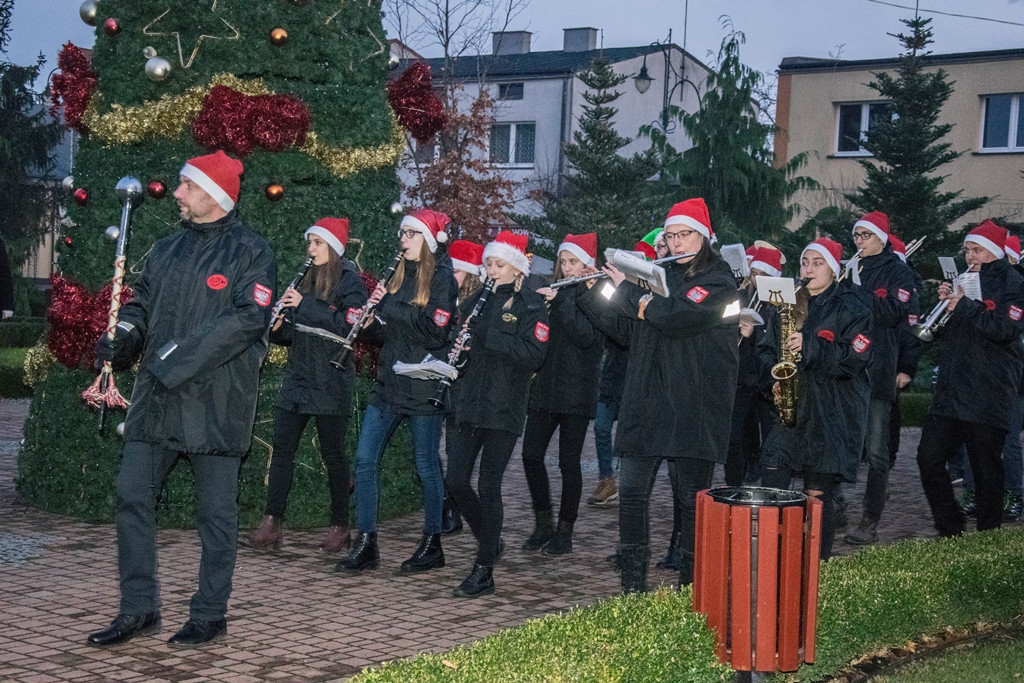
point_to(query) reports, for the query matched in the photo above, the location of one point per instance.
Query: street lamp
(643, 81)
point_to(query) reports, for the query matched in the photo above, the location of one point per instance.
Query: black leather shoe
(428, 556)
(479, 582)
(124, 628)
(195, 632)
(364, 554)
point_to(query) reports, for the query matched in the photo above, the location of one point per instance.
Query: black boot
(542, 533)
(363, 555)
(479, 582)
(671, 559)
(451, 518)
(634, 560)
(561, 542)
(428, 556)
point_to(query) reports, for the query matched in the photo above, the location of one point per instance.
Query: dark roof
(816, 64)
(535, 64)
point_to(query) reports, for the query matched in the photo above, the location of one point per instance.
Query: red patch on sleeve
(216, 281)
(262, 294)
(903, 295)
(827, 334)
(1014, 313)
(697, 294)
(912, 319)
(990, 305)
(352, 315)
(860, 343)
(441, 317)
(881, 292)
(541, 332)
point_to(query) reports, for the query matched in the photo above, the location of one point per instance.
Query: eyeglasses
(858, 236)
(681, 235)
(408, 234)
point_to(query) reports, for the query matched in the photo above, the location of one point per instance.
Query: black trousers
(288, 428)
(540, 427)
(940, 439)
(827, 484)
(143, 469)
(482, 509)
(743, 439)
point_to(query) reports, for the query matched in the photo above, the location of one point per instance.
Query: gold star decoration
(235, 34)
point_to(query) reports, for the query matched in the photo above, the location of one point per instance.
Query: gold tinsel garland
(171, 114)
(278, 355)
(38, 360)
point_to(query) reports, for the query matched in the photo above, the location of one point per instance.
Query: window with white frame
(1002, 126)
(513, 143)
(854, 121)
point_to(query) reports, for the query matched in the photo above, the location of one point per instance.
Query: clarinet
(340, 359)
(461, 340)
(299, 276)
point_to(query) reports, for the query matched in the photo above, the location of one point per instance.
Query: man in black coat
(979, 373)
(199, 318)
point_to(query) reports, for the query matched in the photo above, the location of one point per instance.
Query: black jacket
(910, 347)
(199, 316)
(6, 280)
(887, 287)
(567, 382)
(613, 371)
(980, 365)
(311, 385)
(833, 386)
(409, 333)
(506, 347)
(681, 383)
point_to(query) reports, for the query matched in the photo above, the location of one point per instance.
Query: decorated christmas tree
(293, 88)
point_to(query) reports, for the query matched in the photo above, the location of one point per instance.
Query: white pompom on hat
(510, 248)
(218, 175)
(433, 225)
(334, 231)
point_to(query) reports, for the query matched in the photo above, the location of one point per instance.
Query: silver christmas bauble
(112, 233)
(120, 429)
(68, 183)
(87, 10)
(157, 69)
(396, 209)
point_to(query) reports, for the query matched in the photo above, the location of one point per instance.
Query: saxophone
(785, 370)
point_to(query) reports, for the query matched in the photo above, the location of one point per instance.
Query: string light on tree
(278, 36)
(274, 192)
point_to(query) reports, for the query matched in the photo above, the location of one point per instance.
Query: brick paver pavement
(291, 616)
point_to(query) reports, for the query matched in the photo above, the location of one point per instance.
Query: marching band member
(563, 396)
(682, 367)
(507, 344)
(979, 375)
(412, 316)
(328, 298)
(835, 344)
(887, 286)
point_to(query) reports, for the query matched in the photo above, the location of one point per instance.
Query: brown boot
(267, 535)
(336, 540)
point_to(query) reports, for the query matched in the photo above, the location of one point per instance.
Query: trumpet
(439, 398)
(938, 317)
(600, 275)
(340, 359)
(848, 269)
(299, 277)
(914, 246)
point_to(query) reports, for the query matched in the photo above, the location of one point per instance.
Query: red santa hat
(768, 245)
(433, 225)
(218, 175)
(583, 247)
(467, 256)
(750, 253)
(646, 249)
(693, 213)
(768, 261)
(510, 248)
(877, 222)
(899, 247)
(832, 252)
(1012, 247)
(334, 231)
(990, 236)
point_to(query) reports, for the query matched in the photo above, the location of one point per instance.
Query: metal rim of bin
(760, 496)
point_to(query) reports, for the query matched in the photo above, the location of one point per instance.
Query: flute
(565, 282)
(340, 359)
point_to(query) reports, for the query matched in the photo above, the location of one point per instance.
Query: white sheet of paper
(736, 256)
(971, 284)
(751, 315)
(948, 266)
(638, 270)
(776, 290)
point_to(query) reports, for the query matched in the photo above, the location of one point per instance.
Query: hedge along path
(881, 598)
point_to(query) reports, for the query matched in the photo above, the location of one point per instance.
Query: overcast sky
(851, 29)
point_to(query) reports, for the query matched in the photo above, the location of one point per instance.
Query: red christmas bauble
(112, 27)
(278, 36)
(68, 241)
(81, 196)
(157, 189)
(274, 192)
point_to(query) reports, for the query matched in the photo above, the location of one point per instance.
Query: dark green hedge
(913, 407)
(18, 332)
(12, 374)
(66, 467)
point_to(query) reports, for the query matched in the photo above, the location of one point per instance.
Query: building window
(513, 143)
(424, 152)
(854, 121)
(1003, 123)
(510, 91)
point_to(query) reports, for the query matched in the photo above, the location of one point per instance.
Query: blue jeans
(379, 423)
(607, 413)
(876, 450)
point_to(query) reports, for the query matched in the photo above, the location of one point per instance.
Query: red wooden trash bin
(756, 575)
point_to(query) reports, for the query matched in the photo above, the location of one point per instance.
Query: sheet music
(751, 315)
(429, 368)
(776, 290)
(971, 284)
(736, 256)
(638, 270)
(948, 266)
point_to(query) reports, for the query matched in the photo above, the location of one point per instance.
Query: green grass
(12, 373)
(998, 659)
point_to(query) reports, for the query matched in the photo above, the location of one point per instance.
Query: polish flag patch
(441, 317)
(1014, 313)
(828, 335)
(881, 292)
(860, 343)
(262, 295)
(216, 281)
(352, 315)
(903, 295)
(912, 319)
(697, 294)
(541, 332)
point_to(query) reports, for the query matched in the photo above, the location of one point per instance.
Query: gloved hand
(104, 350)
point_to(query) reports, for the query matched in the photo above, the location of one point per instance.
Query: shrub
(66, 466)
(914, 407)
(20, 332)
(12, 374)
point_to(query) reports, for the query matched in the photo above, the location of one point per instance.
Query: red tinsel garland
(77, 318)
(416, 104)
(73, 87)
(238, 123)
(367, 354)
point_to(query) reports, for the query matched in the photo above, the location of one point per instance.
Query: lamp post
(643, 79)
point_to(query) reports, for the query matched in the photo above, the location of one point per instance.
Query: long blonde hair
(424, 276)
